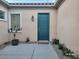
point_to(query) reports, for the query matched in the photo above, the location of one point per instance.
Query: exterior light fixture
(32, 18)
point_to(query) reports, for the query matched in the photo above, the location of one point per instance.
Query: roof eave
(59, 3)
(55, 5)
(4, 2)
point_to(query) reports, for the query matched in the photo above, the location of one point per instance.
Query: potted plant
(27, 40)
(14, 31)
(56, 41)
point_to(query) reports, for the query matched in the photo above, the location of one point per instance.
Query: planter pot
(15, 42)
(56, 41)
(27, 40)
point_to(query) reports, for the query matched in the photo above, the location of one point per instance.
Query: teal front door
(43, 26)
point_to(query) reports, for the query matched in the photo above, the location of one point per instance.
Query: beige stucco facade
(29, 28)
(63, 24)
(4, 26)
(68, 26)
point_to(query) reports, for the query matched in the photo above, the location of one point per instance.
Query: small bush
(56, 41)
(27, 40)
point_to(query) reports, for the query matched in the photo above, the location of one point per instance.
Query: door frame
(49, 24)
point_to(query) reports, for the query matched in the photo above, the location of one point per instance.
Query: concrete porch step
(43, 42)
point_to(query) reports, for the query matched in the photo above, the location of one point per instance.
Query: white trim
(10, 20)
(55, 2)
(2, 19)
(5, 16)
(4, 1)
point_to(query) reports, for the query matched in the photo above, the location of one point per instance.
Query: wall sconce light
(32, 18)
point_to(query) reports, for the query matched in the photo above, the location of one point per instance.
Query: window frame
(2, 19)
(20, 21)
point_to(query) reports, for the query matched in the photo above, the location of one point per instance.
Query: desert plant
(27, 40)
(61, 46)
(68, 52)
(65, 50)
(14, 31)
(56, 41)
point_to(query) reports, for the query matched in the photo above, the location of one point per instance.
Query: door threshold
(43, 42)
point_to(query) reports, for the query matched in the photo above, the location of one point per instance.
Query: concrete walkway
(29, 51)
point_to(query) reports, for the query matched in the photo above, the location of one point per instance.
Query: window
(2, 16)
(15, 21)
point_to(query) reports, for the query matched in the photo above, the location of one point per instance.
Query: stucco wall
(4, 26)
(68, 26)
(29, 28)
